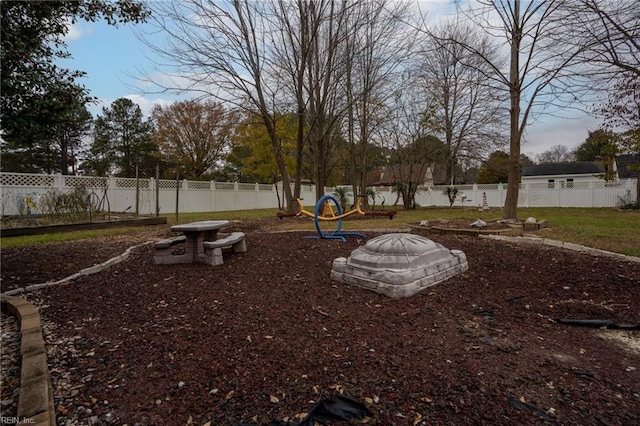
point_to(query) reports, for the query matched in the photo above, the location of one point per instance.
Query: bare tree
(467, 112)
(220, 51)
(335, 57)
(375, 51)
(323, 77)
(538, 72)
(296, 31)
(610, 32)
(414, 151)
(556, 154)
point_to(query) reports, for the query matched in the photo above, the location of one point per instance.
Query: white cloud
(146, 104)
(76, 31)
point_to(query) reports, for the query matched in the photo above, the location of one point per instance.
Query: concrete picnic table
(197, 233)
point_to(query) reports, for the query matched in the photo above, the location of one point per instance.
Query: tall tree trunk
(282, 167)
(510, 210)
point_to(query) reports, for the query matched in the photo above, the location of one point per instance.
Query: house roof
(624, 162)
(573, 168)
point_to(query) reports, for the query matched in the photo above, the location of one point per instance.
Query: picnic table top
(203, 225)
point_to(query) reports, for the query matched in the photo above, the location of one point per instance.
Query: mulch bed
(267, 335)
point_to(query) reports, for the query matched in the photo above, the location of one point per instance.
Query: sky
(115, 60)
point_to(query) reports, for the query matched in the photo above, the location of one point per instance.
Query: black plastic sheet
(343, 408)
(525, 406)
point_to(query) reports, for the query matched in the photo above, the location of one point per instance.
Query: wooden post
(137, 191)
(177, 189)
(157, 189)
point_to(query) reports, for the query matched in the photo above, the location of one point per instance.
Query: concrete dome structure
(399, 265)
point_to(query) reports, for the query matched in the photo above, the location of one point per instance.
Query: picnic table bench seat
(164, 253)
(213, 249)
(234, 240)
(170, 242)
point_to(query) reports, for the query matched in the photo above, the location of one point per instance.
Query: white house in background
(564, 174)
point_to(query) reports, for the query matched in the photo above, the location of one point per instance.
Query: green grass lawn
(603, 228)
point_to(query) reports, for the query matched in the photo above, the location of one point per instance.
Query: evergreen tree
(122, 139)
(599, 143)
(495, 169)
(38, 98)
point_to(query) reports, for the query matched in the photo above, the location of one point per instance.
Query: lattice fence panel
(265, 187)
(170, 184)
(27, 180)
(540, 185)
(247, 186)
(131, 183)
(604, 184)
(578, 185)
(487, 186)
(198, 185)
(225, 185)
(88, 182)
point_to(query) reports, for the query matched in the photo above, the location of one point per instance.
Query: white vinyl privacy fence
(20, 193)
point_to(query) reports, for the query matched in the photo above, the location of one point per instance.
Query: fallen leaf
(190, 420)
(337, 388)
(268, 337)
(274, 399)
(368, 400)
(319, 310)
(230, 394)
(418, 419)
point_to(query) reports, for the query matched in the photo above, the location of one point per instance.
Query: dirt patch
(267, 335)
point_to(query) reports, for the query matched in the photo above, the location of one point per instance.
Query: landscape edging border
(35, 399)
(34, 380)
(565, 245)
(86, 271)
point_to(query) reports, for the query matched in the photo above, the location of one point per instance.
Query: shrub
(451, 192)
(626, 202)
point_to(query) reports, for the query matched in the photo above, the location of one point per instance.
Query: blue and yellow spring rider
(328, 210)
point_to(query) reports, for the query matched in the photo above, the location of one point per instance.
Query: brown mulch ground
(267, 335)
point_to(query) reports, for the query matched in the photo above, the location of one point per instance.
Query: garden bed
(13, 228)
(267, 335)
(459, 226)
